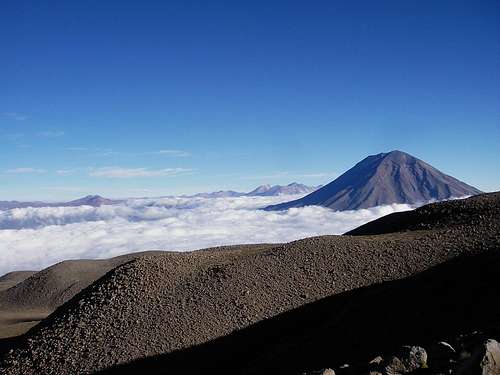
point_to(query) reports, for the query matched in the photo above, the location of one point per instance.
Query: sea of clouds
(34, 238)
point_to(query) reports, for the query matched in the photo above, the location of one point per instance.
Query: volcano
(386, 178)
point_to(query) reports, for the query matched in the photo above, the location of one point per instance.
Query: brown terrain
(413, 278)
(26, 297)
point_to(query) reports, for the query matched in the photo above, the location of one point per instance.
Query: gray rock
(446, 346)
(377, 360)
(326, 371)
(485, 360)
(409, 359)
(442, 357)
(490, 364)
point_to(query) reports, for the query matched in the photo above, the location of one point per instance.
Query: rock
(326, 371)
(376, 361)
(490, 364)
(485, 360)
(442, 357)
(409, 359)
(375, 366)
(446, 346)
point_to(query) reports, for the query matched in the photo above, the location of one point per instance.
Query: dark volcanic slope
(165, 303)
(394, 177)
(13, 278)
(51, 287)
(28, 297)
(441, 215)
(457, 297)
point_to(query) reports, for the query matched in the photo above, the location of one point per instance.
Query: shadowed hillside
(443, 302)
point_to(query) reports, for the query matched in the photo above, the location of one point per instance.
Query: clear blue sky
(133, 98)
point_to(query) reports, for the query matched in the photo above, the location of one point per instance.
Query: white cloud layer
(34, 238)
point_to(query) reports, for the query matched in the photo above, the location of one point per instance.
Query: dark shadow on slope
(9, 343)
(481, 209)
(459, 296)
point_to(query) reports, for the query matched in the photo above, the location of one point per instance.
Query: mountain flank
(11, 279)
(386, 178)
(26, 297)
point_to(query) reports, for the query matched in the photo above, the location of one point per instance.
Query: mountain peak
(91, 200)
(397, 155)
(396, 152)
(266, 190)
(260, 189)
(381, 179)
(291, 189)
(92, 197)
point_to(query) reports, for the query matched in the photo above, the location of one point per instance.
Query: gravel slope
(168, 302)
(51, 287)
(443, 215)
(13, 278)
(452, 301)
(27, 297)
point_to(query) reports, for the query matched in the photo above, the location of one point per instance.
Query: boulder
(325, 371)
(490, 363)
(442, 357)
(409, 358)
(485, 360)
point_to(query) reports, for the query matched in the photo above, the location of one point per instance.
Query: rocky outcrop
(484, 359)
(475, 356)
(409, 359)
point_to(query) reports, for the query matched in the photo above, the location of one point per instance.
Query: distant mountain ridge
(92, 200)
(96, 200)
(261, 191)
(216, 194)
(386, 178)
(89, 200)
(290, 189)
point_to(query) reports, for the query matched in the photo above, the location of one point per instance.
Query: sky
(149, 98)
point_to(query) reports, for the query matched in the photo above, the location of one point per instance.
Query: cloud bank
(34, 238)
